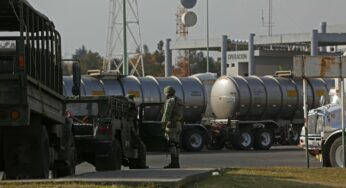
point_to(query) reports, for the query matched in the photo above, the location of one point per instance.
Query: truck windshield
(82, 109)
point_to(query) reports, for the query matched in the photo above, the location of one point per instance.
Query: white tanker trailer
(255, 112)
(148, 92)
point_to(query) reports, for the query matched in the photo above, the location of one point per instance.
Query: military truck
(106, 132)
(35, 135)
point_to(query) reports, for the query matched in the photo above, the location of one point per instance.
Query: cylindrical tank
(268, 97)
(194, 91)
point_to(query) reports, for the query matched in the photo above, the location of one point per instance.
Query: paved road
(277, 156)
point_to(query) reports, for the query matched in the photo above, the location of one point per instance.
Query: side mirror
(76, 73)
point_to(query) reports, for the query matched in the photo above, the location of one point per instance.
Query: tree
(196, 63)
(89, 60)
(153, 62)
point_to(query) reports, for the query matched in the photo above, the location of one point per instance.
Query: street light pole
(207, 35)
(125, 63)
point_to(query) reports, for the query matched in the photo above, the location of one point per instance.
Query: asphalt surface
(194, 166)
(276, 156)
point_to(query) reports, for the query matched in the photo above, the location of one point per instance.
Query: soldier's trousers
(173, 138)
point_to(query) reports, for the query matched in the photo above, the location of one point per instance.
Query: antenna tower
(270, 23)
(182, 30)
(116, 43)
(182, 34)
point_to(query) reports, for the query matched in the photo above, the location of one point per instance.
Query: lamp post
(125, 63)
(207, 35)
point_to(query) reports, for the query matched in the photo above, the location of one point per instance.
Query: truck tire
(336, 153)
(263, 139)
(44, 153)
(193, 140)
(36, 163)
(68, 166)
(243, 140)
(112, 161)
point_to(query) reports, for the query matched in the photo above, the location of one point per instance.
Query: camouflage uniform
(137, 142)
(172, 121)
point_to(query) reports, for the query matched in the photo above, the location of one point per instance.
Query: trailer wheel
(336, 153)
(243, 140)
(193, 140)
(112, 161)
(263, 139)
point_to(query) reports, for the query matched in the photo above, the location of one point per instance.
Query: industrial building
(264, 55)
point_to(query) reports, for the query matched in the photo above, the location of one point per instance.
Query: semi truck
(256, 112)
(324, 135)
(35, 135)
(324, 123)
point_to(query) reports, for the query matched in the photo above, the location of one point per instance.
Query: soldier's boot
(175, 163)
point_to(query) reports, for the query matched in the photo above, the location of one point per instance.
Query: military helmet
(169, 90)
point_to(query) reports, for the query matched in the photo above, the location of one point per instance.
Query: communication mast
(117, 42)
(270, 23)
(184, 19)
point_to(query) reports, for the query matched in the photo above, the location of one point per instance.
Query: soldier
(136, 140)
(172, 121)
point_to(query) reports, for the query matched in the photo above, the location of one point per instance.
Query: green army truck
(106, 132)
(35, 136)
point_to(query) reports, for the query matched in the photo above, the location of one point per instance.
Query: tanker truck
(256, 112)
(149, 97)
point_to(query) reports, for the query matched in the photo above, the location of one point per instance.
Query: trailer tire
(193, 140)
(243, 140)
(263, 139)
(336, 153)
(112, 161)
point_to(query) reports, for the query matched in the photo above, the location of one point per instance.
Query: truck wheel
(243, 140)
(44, 153)
(263, 139)
(193, 140)
(336, 153)
(68, 166)
(112, 161)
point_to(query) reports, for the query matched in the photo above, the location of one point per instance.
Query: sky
(84, 22)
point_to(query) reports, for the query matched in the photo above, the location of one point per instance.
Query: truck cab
(324, 133)
(322, 121)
